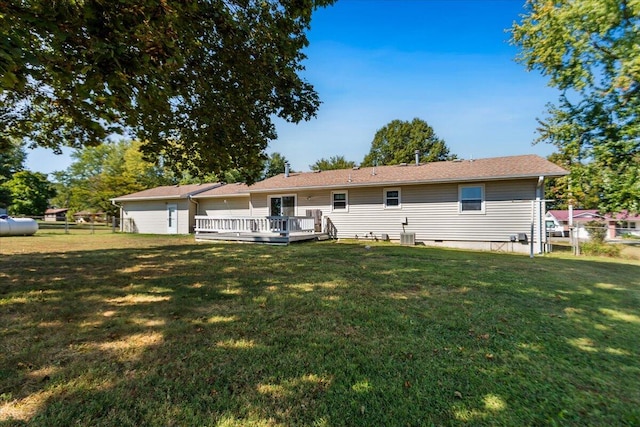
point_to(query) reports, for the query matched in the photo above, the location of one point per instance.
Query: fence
(108, 225)
(623, 232)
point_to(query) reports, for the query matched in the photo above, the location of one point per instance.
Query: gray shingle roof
(228, 190)
(497, 168)
(168, 192)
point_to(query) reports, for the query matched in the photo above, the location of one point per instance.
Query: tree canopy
(397, 142)
(100, 173)
(11, 161)
(29, 193)
(198, 82)
(274, 165)
(590, 50)
(333, 162)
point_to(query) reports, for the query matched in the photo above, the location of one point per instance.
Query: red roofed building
(618, 225)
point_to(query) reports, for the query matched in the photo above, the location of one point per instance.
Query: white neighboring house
(161, 210)
(623, 224)
(618, 225)
(557, 222)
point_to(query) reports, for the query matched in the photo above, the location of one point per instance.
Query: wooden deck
(277, 230)
(255, 237)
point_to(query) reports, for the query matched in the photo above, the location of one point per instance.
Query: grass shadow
(315, 334)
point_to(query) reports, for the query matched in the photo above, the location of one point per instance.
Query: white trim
(482, 201)
(346, 201)
(385, 198)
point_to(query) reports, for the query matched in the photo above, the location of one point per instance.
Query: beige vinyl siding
(432, 212)
(186, 221)
(150, 217)
(232, 206)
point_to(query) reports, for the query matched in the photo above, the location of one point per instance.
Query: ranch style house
(487, 204)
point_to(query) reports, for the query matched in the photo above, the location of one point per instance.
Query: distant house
(623, 224)
(88, 216)
(558, 222)
(618, 225)
(53, 214)
(161, 210)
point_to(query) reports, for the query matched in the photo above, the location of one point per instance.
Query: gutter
(190, 198)
(113, 202)
(537, 219)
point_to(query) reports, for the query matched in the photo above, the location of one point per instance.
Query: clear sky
(447, 62)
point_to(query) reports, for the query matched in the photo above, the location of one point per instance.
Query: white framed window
(471, 198)
(392, 198)
(339, 201)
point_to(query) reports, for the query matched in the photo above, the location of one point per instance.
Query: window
(392, 198)
(339, 201)
(471, 198)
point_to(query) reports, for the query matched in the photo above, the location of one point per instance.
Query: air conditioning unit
(408, 239)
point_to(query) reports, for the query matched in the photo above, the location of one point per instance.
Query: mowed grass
(129, 330)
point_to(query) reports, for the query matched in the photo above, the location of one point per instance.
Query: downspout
(533, 218)
(119, 210)
(539, 201)
(197, 209)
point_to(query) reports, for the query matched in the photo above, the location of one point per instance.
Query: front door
(172, 219)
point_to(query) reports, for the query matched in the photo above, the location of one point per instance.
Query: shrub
(595, 248)
(597, 230)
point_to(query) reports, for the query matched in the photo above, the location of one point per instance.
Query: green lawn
(126, 330)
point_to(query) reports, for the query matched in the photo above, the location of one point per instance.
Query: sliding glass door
(282, 205)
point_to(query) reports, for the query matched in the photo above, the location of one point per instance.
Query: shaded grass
(151, 330)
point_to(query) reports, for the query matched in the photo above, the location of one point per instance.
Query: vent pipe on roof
(417, 157)
(286, 169)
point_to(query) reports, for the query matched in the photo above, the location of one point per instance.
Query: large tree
(30, 193)
(333, 162)
(397, 142)
(11, 161)
(197, 81)
(100, 173)
(590, 50)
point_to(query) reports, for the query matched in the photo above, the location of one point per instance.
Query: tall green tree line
(590, 50)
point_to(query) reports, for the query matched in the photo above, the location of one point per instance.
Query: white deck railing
(252, 224)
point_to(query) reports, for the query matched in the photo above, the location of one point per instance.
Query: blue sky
(447, 62)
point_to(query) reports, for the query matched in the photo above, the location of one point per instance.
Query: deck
(280, 230)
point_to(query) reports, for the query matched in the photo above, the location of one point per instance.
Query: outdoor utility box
(316, 214)
(408, 239)
(522, 237)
